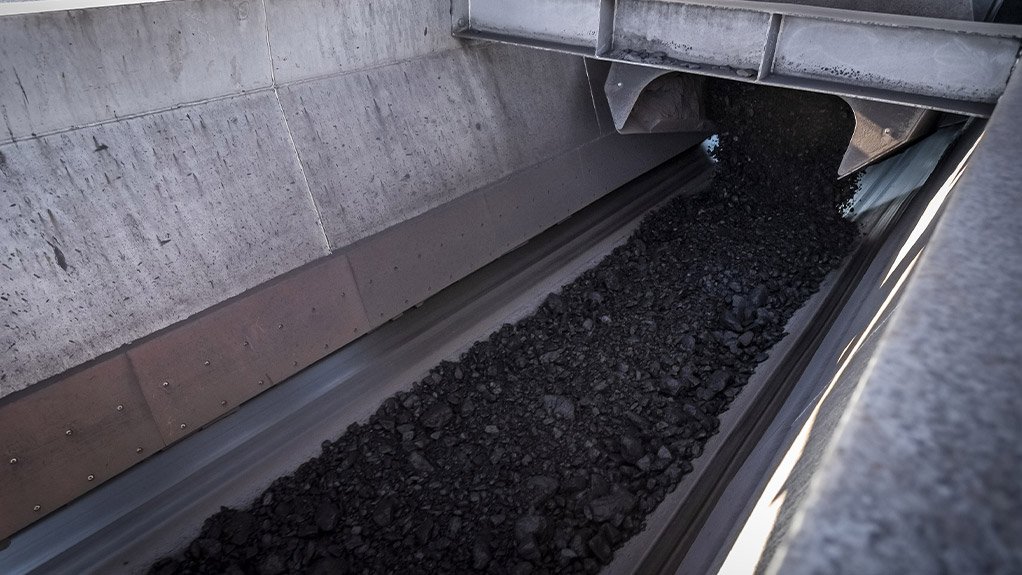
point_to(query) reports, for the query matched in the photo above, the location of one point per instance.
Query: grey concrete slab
(312, 38)
(390, 143)
(115, 231)
(925, 473)
(73, 68)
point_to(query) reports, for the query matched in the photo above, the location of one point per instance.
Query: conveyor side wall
(201, 198)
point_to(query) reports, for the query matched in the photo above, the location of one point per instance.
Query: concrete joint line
(117, 119)
(287, 127)
(301, 168)
(384, 64)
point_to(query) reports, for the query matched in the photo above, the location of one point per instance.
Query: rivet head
(205, 362)
(91, 477)
(183, 425)
(14, 460)
(120, 408)
(280, 326)
(165, 384)
(260, 382)
(223, 402)
(138, 450)
(37, 507)
(68, 432)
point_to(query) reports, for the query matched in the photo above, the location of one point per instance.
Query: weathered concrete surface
(387, 144)
(115, 231)
(118, 226)
(73, 68)
(313, 38)
(926, 474)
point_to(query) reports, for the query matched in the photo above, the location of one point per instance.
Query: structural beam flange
(947, 65)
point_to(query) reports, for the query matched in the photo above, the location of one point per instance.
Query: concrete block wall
(202, 197)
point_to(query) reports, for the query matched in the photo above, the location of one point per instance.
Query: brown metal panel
(206, 366)
(531, 200)
(69, 436)
(403, 265)
(612, 161)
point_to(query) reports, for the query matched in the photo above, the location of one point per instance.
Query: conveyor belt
(158, 505)
(693, 529)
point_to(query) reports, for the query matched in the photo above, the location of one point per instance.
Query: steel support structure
(947, 65)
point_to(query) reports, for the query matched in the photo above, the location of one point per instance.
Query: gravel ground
(545, 446)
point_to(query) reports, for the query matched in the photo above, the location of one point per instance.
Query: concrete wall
(158, 159)
(200, 198)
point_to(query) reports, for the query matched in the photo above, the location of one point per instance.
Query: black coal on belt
(544, 447)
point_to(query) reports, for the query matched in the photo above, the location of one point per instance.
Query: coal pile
(545, 446)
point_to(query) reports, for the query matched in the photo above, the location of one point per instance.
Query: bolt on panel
(64, 439)
(199, 371)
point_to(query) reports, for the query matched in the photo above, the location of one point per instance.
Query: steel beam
(948, 65)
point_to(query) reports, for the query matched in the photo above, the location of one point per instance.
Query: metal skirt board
(66, 439)
(158, 505)
(947, 65)
(203, 369)
(607, 162)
